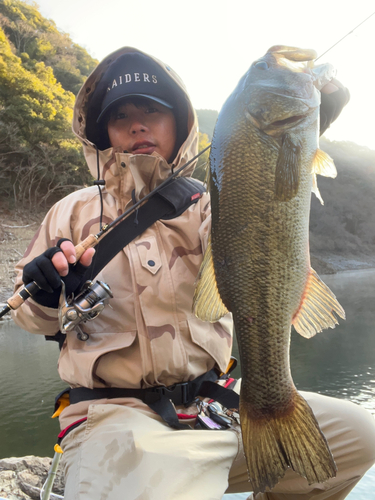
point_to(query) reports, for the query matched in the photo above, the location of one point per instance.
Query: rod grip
(23, 294)
(89, 242)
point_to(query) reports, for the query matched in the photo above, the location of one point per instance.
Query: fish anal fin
(207, 303)
(287, 173)
(317, 308)
(274, 443)
(323, 164)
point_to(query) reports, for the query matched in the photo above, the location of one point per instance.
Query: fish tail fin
(293, 440)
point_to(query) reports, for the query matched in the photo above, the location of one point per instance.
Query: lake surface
(338, 363)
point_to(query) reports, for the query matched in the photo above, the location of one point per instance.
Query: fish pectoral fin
(317, 308)
(207, 303)
(274, 443)
(287, 174)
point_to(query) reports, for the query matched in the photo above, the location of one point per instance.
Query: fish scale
(263, 165)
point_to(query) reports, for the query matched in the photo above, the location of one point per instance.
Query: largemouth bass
(263, 164)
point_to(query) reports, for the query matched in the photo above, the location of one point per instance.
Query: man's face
(142, 127)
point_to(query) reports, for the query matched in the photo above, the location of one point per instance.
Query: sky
(212, 43)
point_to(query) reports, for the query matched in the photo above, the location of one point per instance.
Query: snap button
(123, 164)
(151, 263)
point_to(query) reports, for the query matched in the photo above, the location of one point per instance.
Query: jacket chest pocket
(149, 255)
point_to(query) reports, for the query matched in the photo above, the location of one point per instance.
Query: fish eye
(261, 65)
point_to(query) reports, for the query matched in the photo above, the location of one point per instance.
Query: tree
(29, 33)
(39, 155)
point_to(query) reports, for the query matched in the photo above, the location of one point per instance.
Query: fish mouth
(292, 120)
(278, 127)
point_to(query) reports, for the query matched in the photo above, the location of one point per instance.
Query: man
(137, 125)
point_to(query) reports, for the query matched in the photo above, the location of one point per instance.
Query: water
(338, 363)
(29, 383)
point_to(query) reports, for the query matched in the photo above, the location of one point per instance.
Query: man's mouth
(144, 147)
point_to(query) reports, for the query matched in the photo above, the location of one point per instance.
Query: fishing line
(341, 39)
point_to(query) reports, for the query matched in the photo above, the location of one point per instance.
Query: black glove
(331, 106)
(43, 272)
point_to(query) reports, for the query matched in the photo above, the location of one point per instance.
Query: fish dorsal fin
(207, 303)
(287, 173)
(317, 308)
(322, 165)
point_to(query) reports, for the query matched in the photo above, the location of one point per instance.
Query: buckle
(177, 393)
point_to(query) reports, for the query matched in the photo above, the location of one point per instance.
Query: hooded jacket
(147, 335)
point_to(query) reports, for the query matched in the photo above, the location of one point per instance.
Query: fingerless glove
(42, 271)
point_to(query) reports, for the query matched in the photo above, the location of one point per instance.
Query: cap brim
(123, 98)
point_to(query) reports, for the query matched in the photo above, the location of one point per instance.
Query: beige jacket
(148, 334)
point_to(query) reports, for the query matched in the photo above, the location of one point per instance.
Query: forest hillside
(42, 69)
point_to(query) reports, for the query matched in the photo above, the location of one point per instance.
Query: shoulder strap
(168, 203)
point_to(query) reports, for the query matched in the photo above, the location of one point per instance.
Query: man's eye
(151, 110)
(120, 116)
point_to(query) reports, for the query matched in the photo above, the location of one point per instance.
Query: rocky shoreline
(21, 478)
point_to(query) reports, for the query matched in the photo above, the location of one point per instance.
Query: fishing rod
(92, 240)
(341, 39)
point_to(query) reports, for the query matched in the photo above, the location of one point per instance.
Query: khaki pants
(122, 453)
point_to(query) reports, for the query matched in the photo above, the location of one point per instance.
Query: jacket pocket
(149, 254)
(77, 358)
(215, 338)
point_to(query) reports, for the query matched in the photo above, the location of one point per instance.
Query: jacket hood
(144, 172)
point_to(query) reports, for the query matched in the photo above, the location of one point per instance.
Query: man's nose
(137, 125)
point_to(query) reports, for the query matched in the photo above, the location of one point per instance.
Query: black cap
(133, 74)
